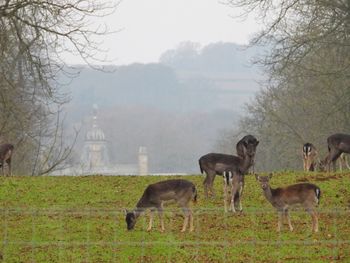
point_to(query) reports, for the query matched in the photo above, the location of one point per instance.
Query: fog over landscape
(177, 108)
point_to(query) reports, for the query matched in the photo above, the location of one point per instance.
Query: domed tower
(95, 154)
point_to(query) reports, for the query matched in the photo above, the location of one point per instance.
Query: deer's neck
(245, 163)
(268, 194)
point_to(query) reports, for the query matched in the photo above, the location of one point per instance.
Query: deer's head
(130, 219)
(263, 180)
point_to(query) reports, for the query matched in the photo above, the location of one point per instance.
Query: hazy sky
(150, 27)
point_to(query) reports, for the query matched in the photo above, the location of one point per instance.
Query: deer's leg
(235, 187)
(288, 219)
(225, 193)
(346, 162)
(2, 168)
(341, 162)
(314, 218)
(241, 193)
(150, 220)
(8, 161)
(333, 156)
(280, 216)
(211, 183)
(187, 213)
(161, 219)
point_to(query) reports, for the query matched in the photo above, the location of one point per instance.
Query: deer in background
(306, 194)
(6, 151)
(309, 156)
(337, 144)
(181, 191)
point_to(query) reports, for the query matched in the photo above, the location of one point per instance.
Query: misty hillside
(175, 108)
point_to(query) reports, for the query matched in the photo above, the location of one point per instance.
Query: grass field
(81, 219)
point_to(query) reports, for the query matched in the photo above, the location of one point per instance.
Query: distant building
(95, 158)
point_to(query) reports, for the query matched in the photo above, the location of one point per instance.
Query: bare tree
(34, 35)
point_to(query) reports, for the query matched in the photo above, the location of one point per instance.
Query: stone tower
(95, 157)
(143, 161)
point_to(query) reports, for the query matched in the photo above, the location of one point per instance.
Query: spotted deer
(310, 154)
(306, 194)
(6, 151)
(337, 144)
(181, 191)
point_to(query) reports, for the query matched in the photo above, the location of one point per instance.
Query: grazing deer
(337, 144)
(343, 161)
(306, 194)
(182, 191)
(6, 151)
(309, 156)
(241, 147)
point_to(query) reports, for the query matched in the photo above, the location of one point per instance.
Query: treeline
(307, 95)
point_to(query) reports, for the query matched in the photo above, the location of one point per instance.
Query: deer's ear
(257, 142)
(270, 175)
(125, 211)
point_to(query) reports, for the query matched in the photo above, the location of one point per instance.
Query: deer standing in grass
(6, 151)
(309, 156)
(217, 163)
(233, 168)
(181, 191)
(306, 194)
(337, 144)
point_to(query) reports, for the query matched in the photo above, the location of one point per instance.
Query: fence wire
(100, 235)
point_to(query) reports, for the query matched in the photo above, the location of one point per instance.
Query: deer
(233, 168)
(337, 144)
(6, 151)
(179, 190)
(216, 163)
(310, 154)
(241, 147)
(306, 194)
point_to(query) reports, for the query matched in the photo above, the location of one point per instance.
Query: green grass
(81, 219)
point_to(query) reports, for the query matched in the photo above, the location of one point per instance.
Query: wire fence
(100, 235)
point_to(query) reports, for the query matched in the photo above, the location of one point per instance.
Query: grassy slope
(80, 219)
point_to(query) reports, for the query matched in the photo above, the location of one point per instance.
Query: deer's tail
(200, 166)
(194, 194)
(318, 194)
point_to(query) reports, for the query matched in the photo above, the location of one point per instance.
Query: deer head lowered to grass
(306, 194)
(181, 191)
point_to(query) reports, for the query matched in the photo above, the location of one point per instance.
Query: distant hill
(176, 107)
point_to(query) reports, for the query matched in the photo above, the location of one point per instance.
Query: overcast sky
(150, 27)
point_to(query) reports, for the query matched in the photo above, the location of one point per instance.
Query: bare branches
(34, 34)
